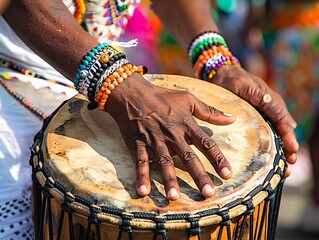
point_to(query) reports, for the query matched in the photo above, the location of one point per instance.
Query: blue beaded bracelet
(86, 61)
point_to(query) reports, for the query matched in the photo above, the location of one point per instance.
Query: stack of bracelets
(208, 52)
(101, 70)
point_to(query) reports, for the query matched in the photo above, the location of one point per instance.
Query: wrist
(135, 90)
(208, 52)
(101, 71)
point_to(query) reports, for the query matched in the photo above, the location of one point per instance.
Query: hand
(156, 122)
(252, 89)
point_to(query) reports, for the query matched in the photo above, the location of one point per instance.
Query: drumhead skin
(84, 151)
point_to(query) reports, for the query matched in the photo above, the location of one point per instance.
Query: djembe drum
(84, 177)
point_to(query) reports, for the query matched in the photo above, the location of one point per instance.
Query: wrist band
(89, 59)
(208, 52)
(94, 74)
(101, 70)
(216, 62)
(204, 42)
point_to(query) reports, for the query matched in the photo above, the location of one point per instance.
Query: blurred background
(278, 41)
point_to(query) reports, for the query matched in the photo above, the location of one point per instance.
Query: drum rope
(126, 220)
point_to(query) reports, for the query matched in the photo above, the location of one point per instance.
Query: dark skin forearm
(3, 5)
(61, 41)
(185, 19)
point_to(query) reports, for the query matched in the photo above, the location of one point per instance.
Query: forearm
(3, 5)
(51, 31)
(185, 19)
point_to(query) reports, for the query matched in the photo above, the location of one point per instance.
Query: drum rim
(150, 220)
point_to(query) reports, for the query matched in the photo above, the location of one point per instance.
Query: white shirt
(18, 126)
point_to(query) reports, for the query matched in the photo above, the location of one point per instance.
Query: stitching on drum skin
(264, 188)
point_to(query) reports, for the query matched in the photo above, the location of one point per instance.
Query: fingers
(291, 158)
(274, 107)
(212, 152)
(195, 168)
(291, 146)
(167, 170)
(285, 126)
(143, 186)
(287, 172)
(210, 114)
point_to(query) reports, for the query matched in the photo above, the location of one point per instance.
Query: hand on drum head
(156, 122)
(268, 102)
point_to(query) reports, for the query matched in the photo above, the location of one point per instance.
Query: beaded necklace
(7, 64)
(26, 102)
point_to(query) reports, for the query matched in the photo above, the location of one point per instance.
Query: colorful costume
(292, 41)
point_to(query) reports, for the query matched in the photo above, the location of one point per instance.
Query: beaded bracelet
(94, 74)
(109, 71)
(207, 52)
(113, 80)
(216, 62)
(204, 42)
(90, 58)
(101, 70)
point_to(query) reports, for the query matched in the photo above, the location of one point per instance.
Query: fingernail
(142, 189)
(172, 194)
(207, 191)
(225, 172)
(228, 114)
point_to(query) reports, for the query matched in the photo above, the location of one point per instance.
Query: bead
(88, 58)
(4, 63)
(111, 86)
(83, 73)
(120, 80)
(30, 73)
(104, 58)
(115, 83)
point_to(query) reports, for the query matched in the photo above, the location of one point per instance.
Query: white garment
(18, 126)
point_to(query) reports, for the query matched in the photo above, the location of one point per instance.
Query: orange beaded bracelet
(113, 80)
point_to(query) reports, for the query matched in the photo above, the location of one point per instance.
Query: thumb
(210, 114)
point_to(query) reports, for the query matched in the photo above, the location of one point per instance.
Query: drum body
(84, 177)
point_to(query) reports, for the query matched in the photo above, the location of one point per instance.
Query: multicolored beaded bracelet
(101, 70)
(91, 77)
(207, 54)
(216, 62)
(109, 71)
(204, 42)
(87, 61)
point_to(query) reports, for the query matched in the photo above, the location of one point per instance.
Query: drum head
(84, 151)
